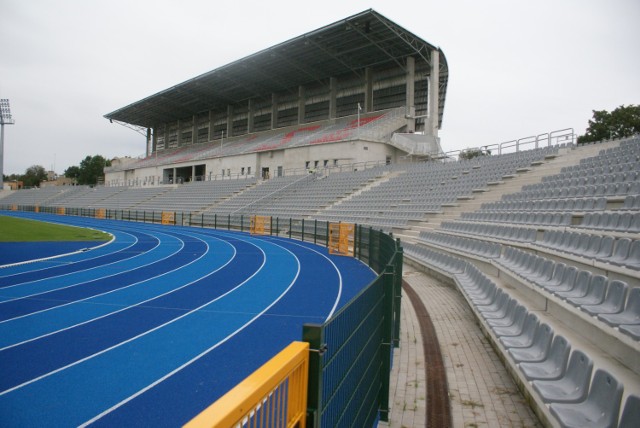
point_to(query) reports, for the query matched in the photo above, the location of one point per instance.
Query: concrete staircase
(509, 184)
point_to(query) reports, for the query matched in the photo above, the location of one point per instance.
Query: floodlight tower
(5, 119)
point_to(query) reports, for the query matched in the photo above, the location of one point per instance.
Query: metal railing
(546, 139)
(275, 395)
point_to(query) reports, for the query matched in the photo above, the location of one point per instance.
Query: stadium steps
(374, 182)
(494, 191)
(212, 208)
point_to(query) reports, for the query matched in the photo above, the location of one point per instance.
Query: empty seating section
(195, 196)
(42, 196)
(560, 239)
(411, 191)
(376, 126)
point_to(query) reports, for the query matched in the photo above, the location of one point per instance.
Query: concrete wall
(317, 156)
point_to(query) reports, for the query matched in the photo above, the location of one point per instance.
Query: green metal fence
(351, 366)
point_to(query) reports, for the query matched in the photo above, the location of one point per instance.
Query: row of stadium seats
(562, 377)
(376, 126)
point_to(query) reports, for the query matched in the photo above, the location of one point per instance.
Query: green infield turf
(14, 229)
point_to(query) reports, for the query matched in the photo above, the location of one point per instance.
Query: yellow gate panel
(60, 211)
(275, 395)
(260, 225)
(341, 239)
(101, 213)
(168, 217)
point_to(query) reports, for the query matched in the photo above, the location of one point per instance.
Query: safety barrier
(260, 225)
(341, 239)
(275, 395)
(350, 370)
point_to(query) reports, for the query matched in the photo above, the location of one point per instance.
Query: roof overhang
(348, 46)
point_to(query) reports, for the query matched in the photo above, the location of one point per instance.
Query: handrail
(566, 135)
(279, 386)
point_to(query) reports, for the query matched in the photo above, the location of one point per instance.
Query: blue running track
(153, 326)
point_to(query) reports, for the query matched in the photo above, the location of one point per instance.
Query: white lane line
(124, 288)
(138, 336)
(221, 342)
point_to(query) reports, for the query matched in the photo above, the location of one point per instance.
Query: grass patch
(13, 229)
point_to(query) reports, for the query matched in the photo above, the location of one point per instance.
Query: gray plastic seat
(580, 287)
(620, 252)
(606, 247)
(518, 315)
(503, 311)
(573, 386)
(516, 328)
(539, 347)
(634, 226)
(553, 366)
(631, 413)
(556, 276)
(567, 282)
(630, 314)
(600, 409)
(613, 302)
(500, 301)
(595, 295)
(633, 259)
(632, 330)
(525, 338)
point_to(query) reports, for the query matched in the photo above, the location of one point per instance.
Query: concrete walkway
(481, 391)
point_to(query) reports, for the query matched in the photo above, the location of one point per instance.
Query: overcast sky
(516, 68)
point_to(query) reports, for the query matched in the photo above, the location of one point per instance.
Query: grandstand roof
(367, 39)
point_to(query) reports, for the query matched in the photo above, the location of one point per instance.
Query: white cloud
(516, 68)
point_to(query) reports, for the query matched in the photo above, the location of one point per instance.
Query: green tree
(90, 170)
(621, 122)
(473, 153)
(72, 172)
(34, 175)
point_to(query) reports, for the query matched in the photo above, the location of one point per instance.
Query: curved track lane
(139, 335)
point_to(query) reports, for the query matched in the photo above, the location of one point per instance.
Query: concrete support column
(166, 137)
(301, 104)
(194, 130)
(193, 173)
(411, 93)
(434, 93)
(274, 111)
(250, 115)
(368, 90)
(211, 120)
(333, 97)
(150, 142)
(229, 120)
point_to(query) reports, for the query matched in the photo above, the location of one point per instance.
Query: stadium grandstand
(362, 89)
(536, 245)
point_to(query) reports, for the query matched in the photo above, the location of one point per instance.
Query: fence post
(387, 338)
(314, 334)
(398, 292)
(315, 231)
(303, 230)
